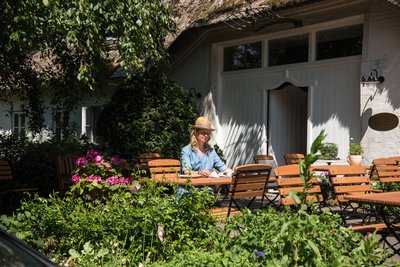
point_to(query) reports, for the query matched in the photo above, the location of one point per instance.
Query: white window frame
(19, 128)
(89, 121)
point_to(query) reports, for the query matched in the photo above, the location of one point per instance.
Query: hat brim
(204, 127)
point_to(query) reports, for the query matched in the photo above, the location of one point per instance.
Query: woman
(198, 157)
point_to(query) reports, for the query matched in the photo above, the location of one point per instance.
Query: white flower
(160, 233)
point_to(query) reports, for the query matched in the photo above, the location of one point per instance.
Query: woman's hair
(193, 140)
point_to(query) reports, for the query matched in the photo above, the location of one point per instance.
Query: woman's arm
(186, 166)
(218, 163)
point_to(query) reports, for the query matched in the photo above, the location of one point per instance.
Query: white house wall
(97, 98)
(381, 53)
(337, 103)
(335, 97)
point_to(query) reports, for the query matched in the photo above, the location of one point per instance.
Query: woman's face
(203, 135)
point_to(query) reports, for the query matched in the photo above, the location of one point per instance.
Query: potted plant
(328, 151)
(355, 154)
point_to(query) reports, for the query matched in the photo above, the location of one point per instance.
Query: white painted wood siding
(334, 97)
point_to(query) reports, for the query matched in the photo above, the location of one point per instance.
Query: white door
(287, 121)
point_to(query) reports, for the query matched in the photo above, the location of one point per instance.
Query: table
(197, 181)
(387, 203)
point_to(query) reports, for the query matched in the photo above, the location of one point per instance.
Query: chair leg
(271, 201)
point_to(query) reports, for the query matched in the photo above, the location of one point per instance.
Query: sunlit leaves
(79, 29)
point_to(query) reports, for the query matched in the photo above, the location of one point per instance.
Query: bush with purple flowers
(95, 172)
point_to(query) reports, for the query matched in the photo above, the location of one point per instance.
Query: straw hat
(203, 123)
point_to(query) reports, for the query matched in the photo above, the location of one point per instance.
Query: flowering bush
(96, 172)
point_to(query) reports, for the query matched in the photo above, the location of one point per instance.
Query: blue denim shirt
(191, 160)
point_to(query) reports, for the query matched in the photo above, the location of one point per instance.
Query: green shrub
(148, 114)
(271, 238)
(12, 146)
(143, 226)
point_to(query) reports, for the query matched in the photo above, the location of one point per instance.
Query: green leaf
(74, 254)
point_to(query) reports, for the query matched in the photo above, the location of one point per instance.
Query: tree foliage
(68, 46)
(148, 114)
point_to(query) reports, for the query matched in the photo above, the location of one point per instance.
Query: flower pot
(354, 159)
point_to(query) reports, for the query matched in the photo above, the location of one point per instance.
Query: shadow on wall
(244, 140)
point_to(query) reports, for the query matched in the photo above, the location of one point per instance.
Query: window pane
(23, 122)
(16, 121)
(288, 50)
(240, 57)
(340, 42)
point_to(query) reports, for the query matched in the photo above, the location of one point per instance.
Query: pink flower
(75, 178)
(135, 188)
(91, 154)
(81, 162)
(97, 179)
(128, 180)
(90, 178)
(114, 160)
(112, 180)
(118, 161)
(98, 159)
(108, 166)
(121, 180)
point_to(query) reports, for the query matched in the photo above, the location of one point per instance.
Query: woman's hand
(229, 171)
(204, 173)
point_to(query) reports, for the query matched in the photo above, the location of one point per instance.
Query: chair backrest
(258, 158)
(293, 158)
(250, 181)
(266, 159)
(385, 170)
(65, 167)
(164, 168)
(144, 159)
(288, 179)
(396, 158)
(349, 179)
(5, 171)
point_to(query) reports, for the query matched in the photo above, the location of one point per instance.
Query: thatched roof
(192, 15)
(189, 14)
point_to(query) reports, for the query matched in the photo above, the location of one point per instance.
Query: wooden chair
(65, 166)
(271, 190)
(288, 179)
(144, 159)
(6, 178)
(249, 183)
(396, 158)
(9, 194)
(386, 171)
(353, 179)
(293, 158)
(164, 169)
(5, 171)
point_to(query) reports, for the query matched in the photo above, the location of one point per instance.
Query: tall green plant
(148, 114)
(306, 174)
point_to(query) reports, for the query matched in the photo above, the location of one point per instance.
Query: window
(57, 123)
(241, 57)
(288, 50)
(20, 121)
(340, 42)
(90, 118)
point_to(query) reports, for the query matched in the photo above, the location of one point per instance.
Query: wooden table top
(386, 198)
(327, 167)
(198, 181)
